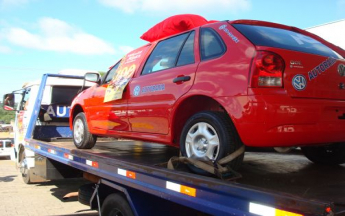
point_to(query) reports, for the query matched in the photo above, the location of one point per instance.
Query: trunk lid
(312, 76)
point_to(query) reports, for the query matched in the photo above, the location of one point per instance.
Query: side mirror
(92, 77)
(8, 101)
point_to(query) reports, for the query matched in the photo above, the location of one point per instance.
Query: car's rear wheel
(82, 138)
(333, 154)
(210, 136)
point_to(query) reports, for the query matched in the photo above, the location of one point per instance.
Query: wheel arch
(190, 106)
(74, 112)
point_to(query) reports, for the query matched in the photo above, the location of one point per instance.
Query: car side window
(187, 53)
(165, 54)
(111, 73)
(211, 44)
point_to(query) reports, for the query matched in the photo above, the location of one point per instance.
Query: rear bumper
(278, 120)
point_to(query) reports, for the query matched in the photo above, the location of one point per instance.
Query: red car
(216, 87)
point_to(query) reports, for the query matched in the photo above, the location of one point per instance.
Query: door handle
(181, 79)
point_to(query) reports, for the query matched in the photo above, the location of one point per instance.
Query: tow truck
(136, 178)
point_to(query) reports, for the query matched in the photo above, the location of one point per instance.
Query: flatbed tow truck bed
(282, 181)
(271, 183)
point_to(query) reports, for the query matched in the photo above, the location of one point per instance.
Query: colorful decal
(21, 126)
(299, 82)
(315, 72)
(124, 74)
(341, 69)
(229, 33)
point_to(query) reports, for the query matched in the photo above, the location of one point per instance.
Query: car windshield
(285, 39)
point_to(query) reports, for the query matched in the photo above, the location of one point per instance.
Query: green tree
(102, 73)
(6, 116)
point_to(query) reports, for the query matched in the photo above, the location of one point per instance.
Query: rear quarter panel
(227, 77)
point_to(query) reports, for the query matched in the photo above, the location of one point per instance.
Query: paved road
(18, 198)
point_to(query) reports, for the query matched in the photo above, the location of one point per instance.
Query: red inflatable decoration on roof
(173, 25)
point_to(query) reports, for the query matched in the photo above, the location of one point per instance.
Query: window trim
(106, 75)
(178, 54)
(218, 37)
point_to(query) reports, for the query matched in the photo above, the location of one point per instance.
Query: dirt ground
(18, 198)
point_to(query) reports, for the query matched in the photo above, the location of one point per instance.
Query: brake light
(268, 68)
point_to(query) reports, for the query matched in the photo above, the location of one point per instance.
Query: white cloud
(57, 35)
(5, 49)
(179, 6)
(10, 3)
(125, 49)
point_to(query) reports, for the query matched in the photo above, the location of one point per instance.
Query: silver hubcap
(202, 142)
(23, 166)
(78, 131)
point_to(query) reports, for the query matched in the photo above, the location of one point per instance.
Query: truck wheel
(116, 205)
(333, 154)
(23, 167)
(82, 138)
(210, 136)
(85, 193)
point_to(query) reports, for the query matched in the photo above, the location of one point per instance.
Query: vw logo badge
(299, 82)
(341, 70)
(136, 90)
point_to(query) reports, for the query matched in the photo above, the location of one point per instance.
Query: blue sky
(41, 36)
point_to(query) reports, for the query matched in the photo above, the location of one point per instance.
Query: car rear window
(285, 39)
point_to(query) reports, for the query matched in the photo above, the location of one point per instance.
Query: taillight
(268, 70)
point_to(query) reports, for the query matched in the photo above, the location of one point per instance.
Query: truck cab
(52, 112)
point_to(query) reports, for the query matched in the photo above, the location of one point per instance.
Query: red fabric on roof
(173, 25)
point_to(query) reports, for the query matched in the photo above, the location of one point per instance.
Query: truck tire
(23, 167)
(210, 136)
(116, 205)
(82, 138)
(85, 193)
(333, 154)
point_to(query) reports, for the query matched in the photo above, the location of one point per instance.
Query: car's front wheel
(333, 154)
(210, 136)
(82, 138)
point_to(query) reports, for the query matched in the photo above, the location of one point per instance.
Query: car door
(110, 115)
(167, 74)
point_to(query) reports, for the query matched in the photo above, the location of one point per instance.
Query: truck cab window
(25, 101)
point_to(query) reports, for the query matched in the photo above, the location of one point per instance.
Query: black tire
(333, 154)
(82, 138)
(217, 123)
(116, 205)
(85, 193)
(25, 171)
